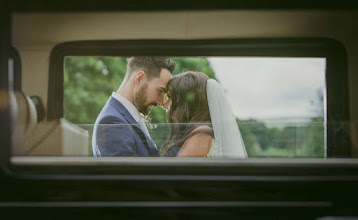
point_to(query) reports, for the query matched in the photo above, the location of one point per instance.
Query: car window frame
(199, 169)
(338, 145)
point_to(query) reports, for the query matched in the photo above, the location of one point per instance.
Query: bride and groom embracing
(200, 119)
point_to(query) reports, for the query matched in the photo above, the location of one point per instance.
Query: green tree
(257, 137)
(315, 144)
(88, 82)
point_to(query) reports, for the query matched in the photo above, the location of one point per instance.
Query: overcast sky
(270, 88)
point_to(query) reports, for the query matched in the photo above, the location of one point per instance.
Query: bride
(201, 121)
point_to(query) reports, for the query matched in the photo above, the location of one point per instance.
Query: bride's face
(167, 103)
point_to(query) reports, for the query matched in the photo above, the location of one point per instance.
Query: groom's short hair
(152, 66)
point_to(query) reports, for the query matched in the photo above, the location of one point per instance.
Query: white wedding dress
(228, 142)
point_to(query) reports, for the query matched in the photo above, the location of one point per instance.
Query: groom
(119, 129)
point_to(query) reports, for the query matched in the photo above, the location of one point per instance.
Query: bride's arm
(196, 146)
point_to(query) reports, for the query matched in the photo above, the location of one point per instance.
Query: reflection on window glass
(279, 103)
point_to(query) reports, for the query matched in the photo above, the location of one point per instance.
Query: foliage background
(89, 82)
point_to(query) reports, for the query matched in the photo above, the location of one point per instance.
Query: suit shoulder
(112, 119)
(108, 116)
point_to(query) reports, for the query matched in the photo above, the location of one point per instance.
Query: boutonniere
(147, 120)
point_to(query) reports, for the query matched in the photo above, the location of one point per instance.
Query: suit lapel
(122, 110)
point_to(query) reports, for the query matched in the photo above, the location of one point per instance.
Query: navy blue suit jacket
(116, 133)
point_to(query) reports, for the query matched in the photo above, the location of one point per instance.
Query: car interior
(47, 166)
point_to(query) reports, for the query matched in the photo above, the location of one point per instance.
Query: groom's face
(152, 92)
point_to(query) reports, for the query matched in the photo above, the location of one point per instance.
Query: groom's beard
(140, 100)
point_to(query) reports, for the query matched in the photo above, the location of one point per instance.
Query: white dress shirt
(132, 110)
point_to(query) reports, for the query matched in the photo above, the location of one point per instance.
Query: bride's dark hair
(189, 108)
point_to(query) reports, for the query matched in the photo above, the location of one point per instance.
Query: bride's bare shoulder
(203, 129)
(199, 144)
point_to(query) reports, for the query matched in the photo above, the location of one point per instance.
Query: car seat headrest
(39, 107)
(28, 111)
